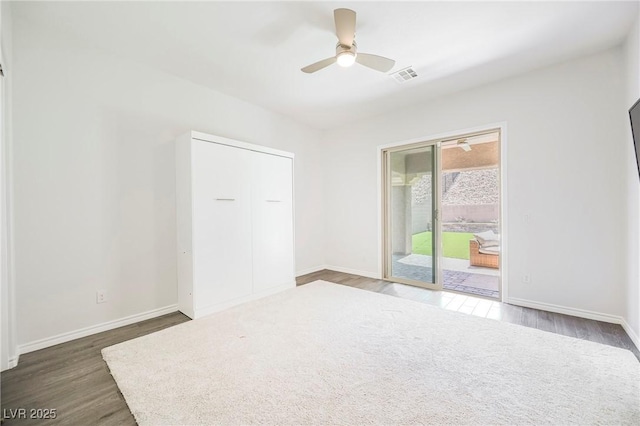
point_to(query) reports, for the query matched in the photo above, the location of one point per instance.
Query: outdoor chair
(485, 252)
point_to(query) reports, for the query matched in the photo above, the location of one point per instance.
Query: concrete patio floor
(457, 274)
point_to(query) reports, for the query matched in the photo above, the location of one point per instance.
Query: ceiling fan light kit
(346, 55)
(346, 49)
(464, 144)
(346, 59)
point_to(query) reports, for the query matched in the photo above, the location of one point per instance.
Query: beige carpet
(329, 354)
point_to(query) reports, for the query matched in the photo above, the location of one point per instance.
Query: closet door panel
(272, 221)
(221, 223)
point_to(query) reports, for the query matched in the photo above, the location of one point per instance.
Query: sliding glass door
(411, 232)
(442, 213)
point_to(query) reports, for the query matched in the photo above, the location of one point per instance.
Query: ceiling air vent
(404, 74)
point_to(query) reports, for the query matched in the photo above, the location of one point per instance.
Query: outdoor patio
(457, 274)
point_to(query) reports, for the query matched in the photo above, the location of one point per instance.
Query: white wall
(632, 53)
(566, 142)
(94, 180)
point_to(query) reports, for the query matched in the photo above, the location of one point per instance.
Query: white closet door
(272, 221)
(221, 184)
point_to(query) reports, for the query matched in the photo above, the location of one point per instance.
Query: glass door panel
(411, 233)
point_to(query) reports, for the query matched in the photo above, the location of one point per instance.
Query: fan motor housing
(342, 48)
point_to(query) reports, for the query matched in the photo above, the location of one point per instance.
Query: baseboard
(632, 335)
(208, 310)
(581, 313)
(367, 274)
(339, 269)
(12, 362)
(94, 329)
(310, 270)
(575, 312)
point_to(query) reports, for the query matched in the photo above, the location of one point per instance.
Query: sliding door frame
(383, 266)
(387, 254)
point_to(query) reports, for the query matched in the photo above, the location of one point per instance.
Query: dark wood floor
(73, 379)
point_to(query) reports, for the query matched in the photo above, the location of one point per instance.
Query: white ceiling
(254, 51)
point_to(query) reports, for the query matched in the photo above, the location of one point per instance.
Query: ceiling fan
(347, 50)
(464, 144)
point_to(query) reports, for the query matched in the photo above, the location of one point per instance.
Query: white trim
(379, 212)
(632, 335)
(13, 362)
(8, 275)
(310, 270)
(367, 274)
(580, 313)
(575, 312)
(98, 328)
(208, 310)
(6, 353)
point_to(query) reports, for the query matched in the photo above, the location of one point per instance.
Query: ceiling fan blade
(345, 25)
(378, 63)
(465, 146)
(319, 65)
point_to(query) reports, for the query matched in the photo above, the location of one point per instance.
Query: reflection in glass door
(411, 232)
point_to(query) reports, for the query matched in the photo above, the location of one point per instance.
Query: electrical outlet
(101, 296)
(526, 278)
